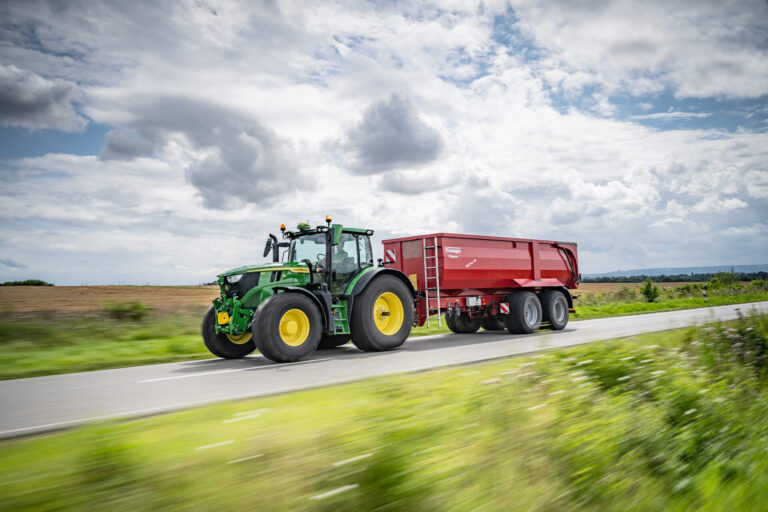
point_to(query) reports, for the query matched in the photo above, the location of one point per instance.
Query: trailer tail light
(474, 301)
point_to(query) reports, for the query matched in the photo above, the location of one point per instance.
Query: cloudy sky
(158, 142)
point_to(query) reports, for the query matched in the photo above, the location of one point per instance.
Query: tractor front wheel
(225, 345)
(287, 327)
(382, 315)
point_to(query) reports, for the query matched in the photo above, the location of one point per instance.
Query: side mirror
(272, 245)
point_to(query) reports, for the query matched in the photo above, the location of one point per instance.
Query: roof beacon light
(328, 219)
(282, 228)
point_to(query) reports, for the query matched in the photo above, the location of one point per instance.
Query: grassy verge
(33, 347)
(586, 310)
(668, 421)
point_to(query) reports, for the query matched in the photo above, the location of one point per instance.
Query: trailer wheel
(554, 306)
(466, 325)
(524, 313)
(328, 341)
(493, 323)
(382, 315)
(287, 327)
(450, 321)
(223, 345)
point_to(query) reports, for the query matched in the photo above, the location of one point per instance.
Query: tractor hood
(291, 266)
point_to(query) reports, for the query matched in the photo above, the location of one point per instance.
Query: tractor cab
(334, 252)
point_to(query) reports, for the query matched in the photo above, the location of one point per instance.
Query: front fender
(296, 289)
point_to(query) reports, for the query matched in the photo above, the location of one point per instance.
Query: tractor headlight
(234, 279)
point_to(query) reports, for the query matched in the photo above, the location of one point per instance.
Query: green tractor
(326, 292)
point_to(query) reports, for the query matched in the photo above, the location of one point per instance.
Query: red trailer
(487, 281)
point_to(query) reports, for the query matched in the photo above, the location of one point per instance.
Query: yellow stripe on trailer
(295, 270)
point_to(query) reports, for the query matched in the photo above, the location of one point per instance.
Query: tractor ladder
(431, 293)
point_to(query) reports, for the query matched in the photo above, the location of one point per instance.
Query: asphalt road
(43, 404)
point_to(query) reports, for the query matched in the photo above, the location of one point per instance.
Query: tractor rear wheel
(382, 315)
(554, 306)
(225, 345)
(493, 323)
(524, 313)
(328, 341)
(287, 327)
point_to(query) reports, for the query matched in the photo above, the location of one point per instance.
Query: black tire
(278, 325)
(554, 307)
(366, 334)
(450, 321)
(219, 344)
(493, 323)
(524, 313)
(329, 341)
(466, 325)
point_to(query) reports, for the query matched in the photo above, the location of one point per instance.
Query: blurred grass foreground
(667, 421)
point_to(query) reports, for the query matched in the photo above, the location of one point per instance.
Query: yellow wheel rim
(388, 313)
(240, 338)
(294, 327)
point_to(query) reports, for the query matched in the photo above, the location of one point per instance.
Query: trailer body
(477, 275)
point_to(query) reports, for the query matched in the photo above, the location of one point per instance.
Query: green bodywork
(240, 300)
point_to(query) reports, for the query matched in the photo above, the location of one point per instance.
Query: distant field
(612, 287)
(81, 299)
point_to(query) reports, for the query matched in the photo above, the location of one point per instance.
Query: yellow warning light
(328, 218)
(282, 227)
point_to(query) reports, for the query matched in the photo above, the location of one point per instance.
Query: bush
(649, 290)
(127, 310)
(723, 280)
(624, 294)
(28, 282)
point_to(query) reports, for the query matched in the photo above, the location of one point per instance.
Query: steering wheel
(321, 259)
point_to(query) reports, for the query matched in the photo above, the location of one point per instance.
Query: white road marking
(353, 459)
(215, 445)
(334, 492)
(191, 375)
(243, 418)
(202, 374)
(245, 458)
(254, 411)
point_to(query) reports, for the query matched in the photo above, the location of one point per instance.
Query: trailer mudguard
(325, 311)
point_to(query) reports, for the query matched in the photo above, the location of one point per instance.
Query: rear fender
(366, 278)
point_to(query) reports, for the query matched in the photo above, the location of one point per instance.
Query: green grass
(587, 309)
(667, 421)
(32, 347)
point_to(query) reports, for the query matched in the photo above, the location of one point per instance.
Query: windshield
(309, 247)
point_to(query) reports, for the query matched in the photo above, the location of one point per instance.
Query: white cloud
(669, 116)
(698, 49)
